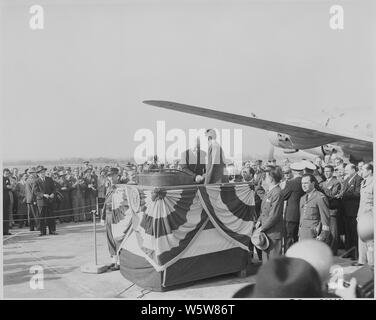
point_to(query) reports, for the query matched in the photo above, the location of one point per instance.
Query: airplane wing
(309, 137)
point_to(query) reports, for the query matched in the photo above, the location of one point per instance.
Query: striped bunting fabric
(231, 209)
(166, 222)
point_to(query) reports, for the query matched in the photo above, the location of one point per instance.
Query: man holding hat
(270, 221)
(32, 210)
(216, 160)
(44, 192)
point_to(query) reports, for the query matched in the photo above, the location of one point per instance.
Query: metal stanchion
(94, 268)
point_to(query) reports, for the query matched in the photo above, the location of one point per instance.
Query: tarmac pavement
(62, 255)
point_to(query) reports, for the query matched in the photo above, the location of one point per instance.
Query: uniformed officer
(314, 212)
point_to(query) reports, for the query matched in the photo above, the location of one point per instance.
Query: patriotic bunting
(166, 221)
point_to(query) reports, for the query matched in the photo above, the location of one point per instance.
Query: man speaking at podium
(193, 162)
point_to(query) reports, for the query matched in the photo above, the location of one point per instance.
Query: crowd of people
(38, 197)
(306, 200)
(294, 202)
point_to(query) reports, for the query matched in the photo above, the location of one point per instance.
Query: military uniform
(314, 216)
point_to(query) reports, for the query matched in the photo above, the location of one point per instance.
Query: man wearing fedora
(44, 192)
(32, 210)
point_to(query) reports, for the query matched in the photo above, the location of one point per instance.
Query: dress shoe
(41, 235)
(115, 267)
(53, 233)
(357, 264)
(7, 234)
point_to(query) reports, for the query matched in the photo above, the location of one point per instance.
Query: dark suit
(291, 194)
(192, 164)
(271, 219)
(350, 202)
(45, 206)
(6, 202)
(332, 188)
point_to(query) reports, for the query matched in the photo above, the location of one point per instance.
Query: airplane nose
(280, 140)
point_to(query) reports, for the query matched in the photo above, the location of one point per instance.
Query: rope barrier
(58, 216)
(124, 290)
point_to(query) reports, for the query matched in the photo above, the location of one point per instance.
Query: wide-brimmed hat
(284, 277)
(31, 170)
(61, 173)
(286, 169)
(40, 169)
(88, 169)
(112, 171)
(260, 240)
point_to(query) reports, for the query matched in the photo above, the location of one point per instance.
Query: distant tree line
(75, 160)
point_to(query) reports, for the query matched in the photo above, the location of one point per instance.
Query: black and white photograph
(187, 150)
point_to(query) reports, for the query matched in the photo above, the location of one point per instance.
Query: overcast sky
(74, 89)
